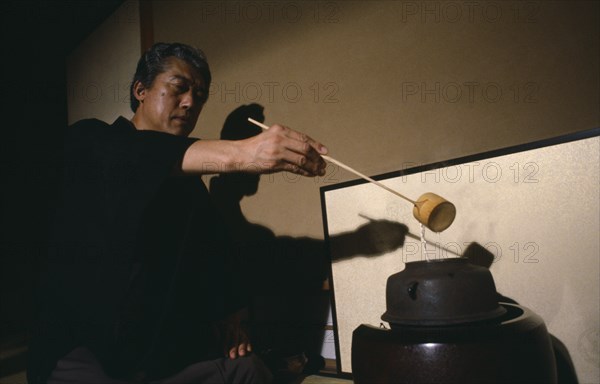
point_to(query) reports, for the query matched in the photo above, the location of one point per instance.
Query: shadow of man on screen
(284, 276)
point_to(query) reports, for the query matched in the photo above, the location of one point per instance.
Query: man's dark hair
(154, 62)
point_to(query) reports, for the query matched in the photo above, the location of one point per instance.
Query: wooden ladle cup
(433, 211)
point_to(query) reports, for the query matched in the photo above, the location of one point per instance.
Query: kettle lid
(441, 292)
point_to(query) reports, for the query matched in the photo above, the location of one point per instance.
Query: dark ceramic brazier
(446, 326)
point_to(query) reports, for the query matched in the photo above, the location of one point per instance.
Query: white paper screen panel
(535, 207)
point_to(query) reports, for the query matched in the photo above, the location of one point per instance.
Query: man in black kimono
(136, 285)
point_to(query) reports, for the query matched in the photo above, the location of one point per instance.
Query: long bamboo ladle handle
(332, 160)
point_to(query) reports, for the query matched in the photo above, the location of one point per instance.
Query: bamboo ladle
(431, 210)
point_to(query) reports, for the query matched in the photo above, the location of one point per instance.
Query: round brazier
(514, 348)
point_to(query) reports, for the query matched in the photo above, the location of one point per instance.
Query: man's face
(173, 102)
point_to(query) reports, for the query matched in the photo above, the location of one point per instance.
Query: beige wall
(100, 69)
(364, 69)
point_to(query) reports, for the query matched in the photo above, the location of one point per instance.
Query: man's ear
(139, 91)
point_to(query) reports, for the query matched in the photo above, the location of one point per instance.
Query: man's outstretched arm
(277, 149)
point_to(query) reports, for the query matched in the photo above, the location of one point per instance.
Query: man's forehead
(177, 69)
